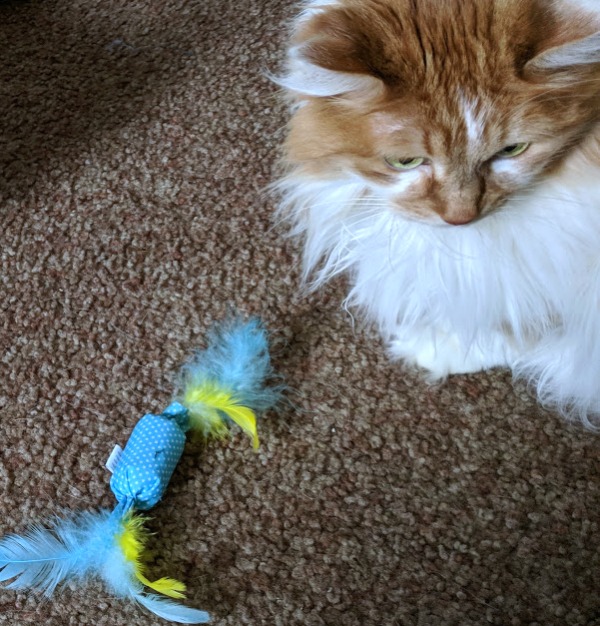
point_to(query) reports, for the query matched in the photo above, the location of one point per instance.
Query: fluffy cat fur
(472, 259)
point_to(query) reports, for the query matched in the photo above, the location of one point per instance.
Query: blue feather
(80, 547)
(236, 359)
(65, 549)
(167, 609)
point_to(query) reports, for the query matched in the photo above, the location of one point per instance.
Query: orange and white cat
(445, 154)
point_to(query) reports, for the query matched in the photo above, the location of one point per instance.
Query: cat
(445, 155)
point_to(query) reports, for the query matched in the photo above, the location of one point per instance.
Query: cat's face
(446, 108)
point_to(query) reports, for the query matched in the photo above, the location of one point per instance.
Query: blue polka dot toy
(149, 459)
(223, 385)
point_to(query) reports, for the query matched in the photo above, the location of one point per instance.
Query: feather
(65, 549)
(170, 610)
(84, 546)
(132, 539)
(227, 381)
(207, 404)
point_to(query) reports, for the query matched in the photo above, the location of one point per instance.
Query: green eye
(512, 151)
(409, 163)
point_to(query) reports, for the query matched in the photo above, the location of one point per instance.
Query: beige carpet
(136, 139)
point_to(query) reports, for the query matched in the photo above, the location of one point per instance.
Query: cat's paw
(442, 354)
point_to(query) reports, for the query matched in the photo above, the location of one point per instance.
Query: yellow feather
(132, 542)
(245, 418)
(167, 586)
(206, 402)
(133, 538)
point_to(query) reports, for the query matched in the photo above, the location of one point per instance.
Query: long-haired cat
(445, 154)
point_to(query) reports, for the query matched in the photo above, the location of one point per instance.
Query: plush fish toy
(225, 384)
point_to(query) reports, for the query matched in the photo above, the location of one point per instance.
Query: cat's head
(446, 107)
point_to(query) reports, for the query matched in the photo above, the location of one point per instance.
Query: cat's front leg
(442, 353)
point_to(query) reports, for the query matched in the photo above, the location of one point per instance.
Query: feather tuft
(83, 546)
(132, 541)
(169, 610)
(65, 549)
(227, 381)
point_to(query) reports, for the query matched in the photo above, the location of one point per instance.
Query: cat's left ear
(327, 58)
(566, 61)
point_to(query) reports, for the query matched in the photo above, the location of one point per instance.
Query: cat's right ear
(566, 62)
(325, 58)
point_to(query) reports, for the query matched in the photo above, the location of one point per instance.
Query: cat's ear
(326, 59)
(568, 60)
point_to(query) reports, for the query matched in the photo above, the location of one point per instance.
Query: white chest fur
(530, 272)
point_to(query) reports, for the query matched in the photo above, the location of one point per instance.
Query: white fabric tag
(114, 458)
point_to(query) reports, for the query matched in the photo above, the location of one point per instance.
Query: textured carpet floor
(135, 141)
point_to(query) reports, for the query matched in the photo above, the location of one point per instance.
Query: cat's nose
(459, 220)
(461, 199)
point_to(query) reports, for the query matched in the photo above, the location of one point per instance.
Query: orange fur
(430, 66)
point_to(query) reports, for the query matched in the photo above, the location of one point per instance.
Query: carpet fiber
(136, 140)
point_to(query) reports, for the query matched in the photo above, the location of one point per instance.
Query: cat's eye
(409, 163)
(514, 150)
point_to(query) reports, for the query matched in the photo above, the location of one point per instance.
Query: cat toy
(220, 386)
